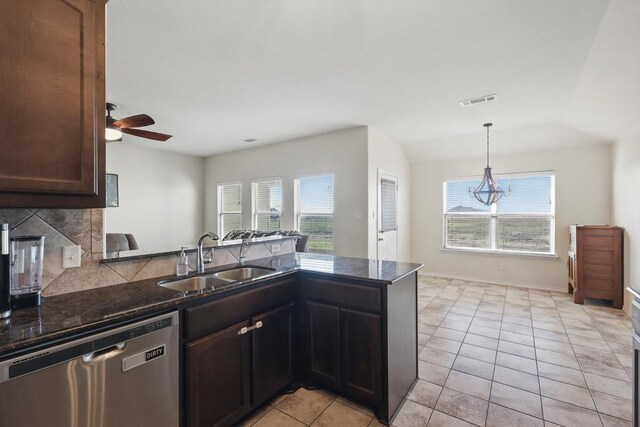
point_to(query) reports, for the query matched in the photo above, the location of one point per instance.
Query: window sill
(502, 254)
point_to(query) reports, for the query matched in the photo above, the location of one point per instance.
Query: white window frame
(254, 212)
(494, 215)
(221, 211)
(298, 214)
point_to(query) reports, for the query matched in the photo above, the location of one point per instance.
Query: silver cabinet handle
(244, 330)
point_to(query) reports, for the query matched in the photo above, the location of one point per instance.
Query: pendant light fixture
(488, 191)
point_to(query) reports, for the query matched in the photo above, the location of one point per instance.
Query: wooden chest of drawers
(595, 263)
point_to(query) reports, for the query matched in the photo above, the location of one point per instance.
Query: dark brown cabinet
(594, 265)
(361, 343)
(240, 351)
(52, 103)
(360, 339)
(272, 355)
(324, 343)
(344, 341)
(356, 338)
(218, 375)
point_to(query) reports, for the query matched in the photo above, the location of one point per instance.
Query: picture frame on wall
(112, 191)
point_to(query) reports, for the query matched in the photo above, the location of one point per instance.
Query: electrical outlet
(275, 249)
(71, 257)
(503, 266)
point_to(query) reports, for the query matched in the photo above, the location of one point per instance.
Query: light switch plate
(71, 257)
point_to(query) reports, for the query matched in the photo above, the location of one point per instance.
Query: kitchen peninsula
(345, 324)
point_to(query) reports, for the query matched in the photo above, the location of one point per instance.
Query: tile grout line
(493, 373)
(451, 369)
(535, 347)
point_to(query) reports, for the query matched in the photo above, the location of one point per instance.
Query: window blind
(267, 204)
(523, 221)
(314, 211)
(388, 220)
(229, 208)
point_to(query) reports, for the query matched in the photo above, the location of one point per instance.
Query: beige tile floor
(317, 408)
(492, 355)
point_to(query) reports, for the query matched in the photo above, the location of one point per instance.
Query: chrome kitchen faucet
(200, 262)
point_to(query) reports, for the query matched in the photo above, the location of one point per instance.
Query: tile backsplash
(85, 227)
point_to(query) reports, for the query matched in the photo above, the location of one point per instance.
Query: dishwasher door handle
(105, 353)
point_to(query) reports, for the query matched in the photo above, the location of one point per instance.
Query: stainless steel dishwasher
(127, 376)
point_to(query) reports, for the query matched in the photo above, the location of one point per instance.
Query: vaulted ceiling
(214, 73)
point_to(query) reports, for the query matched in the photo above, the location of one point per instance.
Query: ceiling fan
(115, 128)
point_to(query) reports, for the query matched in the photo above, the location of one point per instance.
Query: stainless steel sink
(241, 274)
(217, 280)
(196, 283)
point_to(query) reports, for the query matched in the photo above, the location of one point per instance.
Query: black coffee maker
(5, 272)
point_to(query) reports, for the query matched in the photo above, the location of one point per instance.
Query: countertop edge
(73, 332)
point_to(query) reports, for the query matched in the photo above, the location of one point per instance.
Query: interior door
(387, 216)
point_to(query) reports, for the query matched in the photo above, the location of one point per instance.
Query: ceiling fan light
(112, 133)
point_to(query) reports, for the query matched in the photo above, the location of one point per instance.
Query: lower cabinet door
(272, 352)
(218, 375)
(324, 343)
(361, 364)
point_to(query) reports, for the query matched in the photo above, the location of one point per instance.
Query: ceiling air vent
(480, 100)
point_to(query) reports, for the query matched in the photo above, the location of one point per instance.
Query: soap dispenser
(182, 267)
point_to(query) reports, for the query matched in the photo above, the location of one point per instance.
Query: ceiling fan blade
(136, 121)
(146, 134)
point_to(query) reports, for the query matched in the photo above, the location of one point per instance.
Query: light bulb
(112, 134)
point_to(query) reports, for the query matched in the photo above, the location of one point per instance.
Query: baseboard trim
(492, 282)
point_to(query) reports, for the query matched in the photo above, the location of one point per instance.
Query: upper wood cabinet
(52, 103)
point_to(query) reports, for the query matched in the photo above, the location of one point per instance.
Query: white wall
(583, 185)
(343, 153)
(161, 196)
(625, 207)
(387, 155)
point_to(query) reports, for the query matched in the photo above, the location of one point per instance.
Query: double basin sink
(217, 280)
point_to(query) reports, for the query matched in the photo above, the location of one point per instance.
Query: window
(388, 217)
(523, 222)
(267, 204)
(229, 208)
(314, 211)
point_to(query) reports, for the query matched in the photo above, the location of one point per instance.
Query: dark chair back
(117, 242)
(302, 243)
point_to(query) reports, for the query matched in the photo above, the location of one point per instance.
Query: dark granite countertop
(62, 316)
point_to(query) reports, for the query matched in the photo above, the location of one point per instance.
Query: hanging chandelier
(488, 191)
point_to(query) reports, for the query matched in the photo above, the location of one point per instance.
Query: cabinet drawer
(344, 294)
(213, 316)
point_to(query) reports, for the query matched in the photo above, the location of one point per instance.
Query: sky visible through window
(528, 195)
(316, 194)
